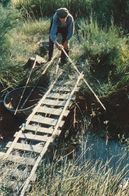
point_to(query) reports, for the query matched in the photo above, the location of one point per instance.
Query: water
(113, 153)
(94, 148)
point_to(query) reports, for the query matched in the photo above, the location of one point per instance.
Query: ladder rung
(54, 102)
(34, 137)
(53, 111)
(61, 89)
(26, 147)
(18, 159)
(45, 120)
(58, 96)
(39, 129)
(64, 89)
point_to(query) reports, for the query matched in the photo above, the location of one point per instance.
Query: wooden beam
(39, 129)
(34, 137)
(53, 111)
(26, 147)
(51, 102)
(58, 96)
(45, 120)
(18, 159)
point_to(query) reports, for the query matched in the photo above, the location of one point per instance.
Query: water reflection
(113, 154)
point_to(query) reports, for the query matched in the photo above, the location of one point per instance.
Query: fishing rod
(44, 71)
(70, 60)
(18, 105)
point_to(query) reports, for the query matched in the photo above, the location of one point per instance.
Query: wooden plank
(41, 100)
(26, 147)
(48, 142)
(39, 129)
(31, 136)
(61, 89)
(2, 154)
(18, 159)
(21, 160)
(53, 102)
(64, 89)
(58, 96)
(45, 120)
(53, 111)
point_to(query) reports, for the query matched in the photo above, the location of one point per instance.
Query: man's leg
(50, 49)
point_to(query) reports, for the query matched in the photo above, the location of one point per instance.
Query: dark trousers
(63, 32)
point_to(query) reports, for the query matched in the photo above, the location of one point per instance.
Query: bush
(105, 56)
(8, 20)
(39, 8)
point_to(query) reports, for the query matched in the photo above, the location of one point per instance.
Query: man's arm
(71, 27)
(53, 29)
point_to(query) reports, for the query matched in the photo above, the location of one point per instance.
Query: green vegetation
(102, 53)
(107, 53)
(73, 177)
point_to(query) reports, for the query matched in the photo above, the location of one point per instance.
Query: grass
(23, 43)
(99, 47)
(71, 177)
(47, 8)
(73, 174)
(104, 57)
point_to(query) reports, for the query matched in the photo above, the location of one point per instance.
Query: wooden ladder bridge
(24, 154)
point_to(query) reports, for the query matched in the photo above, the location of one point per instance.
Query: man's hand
(65, 44)
(59, 46)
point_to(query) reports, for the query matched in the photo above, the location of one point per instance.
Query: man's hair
(62, 12)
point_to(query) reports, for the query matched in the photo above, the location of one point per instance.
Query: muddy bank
(9, 124)
(113, 122)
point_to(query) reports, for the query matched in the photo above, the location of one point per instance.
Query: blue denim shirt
(57, 24)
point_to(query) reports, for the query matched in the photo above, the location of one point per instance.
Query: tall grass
(9, 18)
(71, 177)
(107, 53)
(18, 42)
(47, 8)
(102, 11)
(72, 174)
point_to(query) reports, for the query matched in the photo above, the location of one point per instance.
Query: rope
(70, 60)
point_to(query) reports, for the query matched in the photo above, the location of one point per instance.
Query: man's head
(62, 14)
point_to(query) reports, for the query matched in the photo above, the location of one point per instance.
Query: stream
(112, 153)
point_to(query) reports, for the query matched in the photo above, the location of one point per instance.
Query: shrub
(106, 51)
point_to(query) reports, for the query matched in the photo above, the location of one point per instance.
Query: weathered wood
(40, 102)
(45, 120)
(21, 160)
(61, 89)
(48, 142)
(54, 111)
(58, 96)
(39, 129)
(34, 137)
(26, 147)
(51, 102)
(2, 154)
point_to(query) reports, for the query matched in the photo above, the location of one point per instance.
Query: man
(62, 23)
